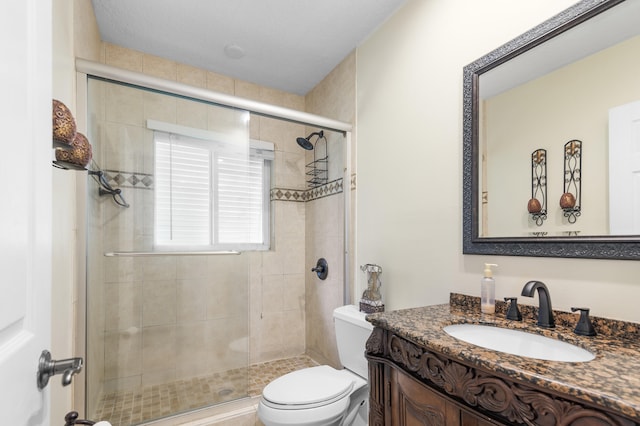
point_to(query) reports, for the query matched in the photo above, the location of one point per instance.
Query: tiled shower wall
(277, 277)
(333, 97)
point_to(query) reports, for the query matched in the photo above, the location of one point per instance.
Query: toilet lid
(309, 387)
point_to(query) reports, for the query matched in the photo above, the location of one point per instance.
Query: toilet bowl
(323, 395)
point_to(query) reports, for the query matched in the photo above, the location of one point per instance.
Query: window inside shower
(168, 332)
(208, 193)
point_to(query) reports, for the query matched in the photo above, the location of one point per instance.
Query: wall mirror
(570, 78)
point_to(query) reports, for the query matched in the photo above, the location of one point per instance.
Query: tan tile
(158, 106)
(123, 303)
(220, 83)
(192, 76)
(122, 57)
(159, 67)
(159, 306)
(158, 349)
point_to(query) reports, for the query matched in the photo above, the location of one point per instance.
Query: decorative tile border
(117, 178)
(283, 194)
(304, 195)
(331, 188)
(122, 179)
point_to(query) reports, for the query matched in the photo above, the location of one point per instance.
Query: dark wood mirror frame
(605, 247)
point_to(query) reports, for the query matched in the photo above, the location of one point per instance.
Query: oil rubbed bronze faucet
(545, 311)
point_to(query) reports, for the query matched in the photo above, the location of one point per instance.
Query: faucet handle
(584, 326)
(513, 313)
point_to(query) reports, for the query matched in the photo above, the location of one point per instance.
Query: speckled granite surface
(611, 380)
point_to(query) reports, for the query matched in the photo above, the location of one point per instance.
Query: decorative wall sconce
(537, 205)
(570, 200)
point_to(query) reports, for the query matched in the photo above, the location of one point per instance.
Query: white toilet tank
(352, 332)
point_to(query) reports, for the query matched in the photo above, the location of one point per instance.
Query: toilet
(322, 395)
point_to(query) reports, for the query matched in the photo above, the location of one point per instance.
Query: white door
(25, 207)
(624, 169)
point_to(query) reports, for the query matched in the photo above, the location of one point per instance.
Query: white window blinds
(210, 194)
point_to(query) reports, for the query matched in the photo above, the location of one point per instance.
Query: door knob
(48, 367)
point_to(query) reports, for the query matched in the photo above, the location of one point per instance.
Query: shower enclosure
(169, 327)
(166, 332)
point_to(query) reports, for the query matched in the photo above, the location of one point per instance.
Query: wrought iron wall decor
(570, 201)
(537, 205)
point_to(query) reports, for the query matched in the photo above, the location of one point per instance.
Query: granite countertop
(611, 380)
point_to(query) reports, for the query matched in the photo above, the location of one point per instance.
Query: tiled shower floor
(131, 407)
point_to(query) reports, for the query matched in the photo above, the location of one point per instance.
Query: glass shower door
(166, 332)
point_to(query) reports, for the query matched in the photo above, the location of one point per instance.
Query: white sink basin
(520, 343)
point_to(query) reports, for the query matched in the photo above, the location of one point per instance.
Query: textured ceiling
(289, 45)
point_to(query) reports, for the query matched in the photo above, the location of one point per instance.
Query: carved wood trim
(375, 342)
(427, 414)
(377, 395)
(512, 402)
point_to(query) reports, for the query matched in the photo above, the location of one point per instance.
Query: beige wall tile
(225, 298)
(247, 90)
(271, 96)
(290, 219)
(273, 261)
(272, 293)
(122, 57)
(191, 267)
(123, 148)
(294, 328)
(290, 170)
(191, 114)
(118, 269)
(228, 337)
(271, 336)
(159, 349)
(124, 105)
(159, 268)
(191, 302)
(293, 293)
(159, 306)
(123, 354)
(220, 83)
(193, 349)
(293, 249)
(123, 307)
(159, 67)
(191, 75)
(159, 107)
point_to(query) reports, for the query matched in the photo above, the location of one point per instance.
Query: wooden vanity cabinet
(413, 403)
(411, 385)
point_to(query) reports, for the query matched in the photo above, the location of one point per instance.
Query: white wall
(409, 116)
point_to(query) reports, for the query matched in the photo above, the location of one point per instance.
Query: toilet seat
(308, 388)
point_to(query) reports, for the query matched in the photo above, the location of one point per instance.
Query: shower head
(306, 142)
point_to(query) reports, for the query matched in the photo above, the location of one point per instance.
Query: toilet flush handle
(321, 269)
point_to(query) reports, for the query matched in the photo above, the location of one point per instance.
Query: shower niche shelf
(317, 171)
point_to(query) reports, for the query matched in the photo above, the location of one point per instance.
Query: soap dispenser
(488, 290)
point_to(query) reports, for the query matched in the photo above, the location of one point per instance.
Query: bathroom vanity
(419, 374)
